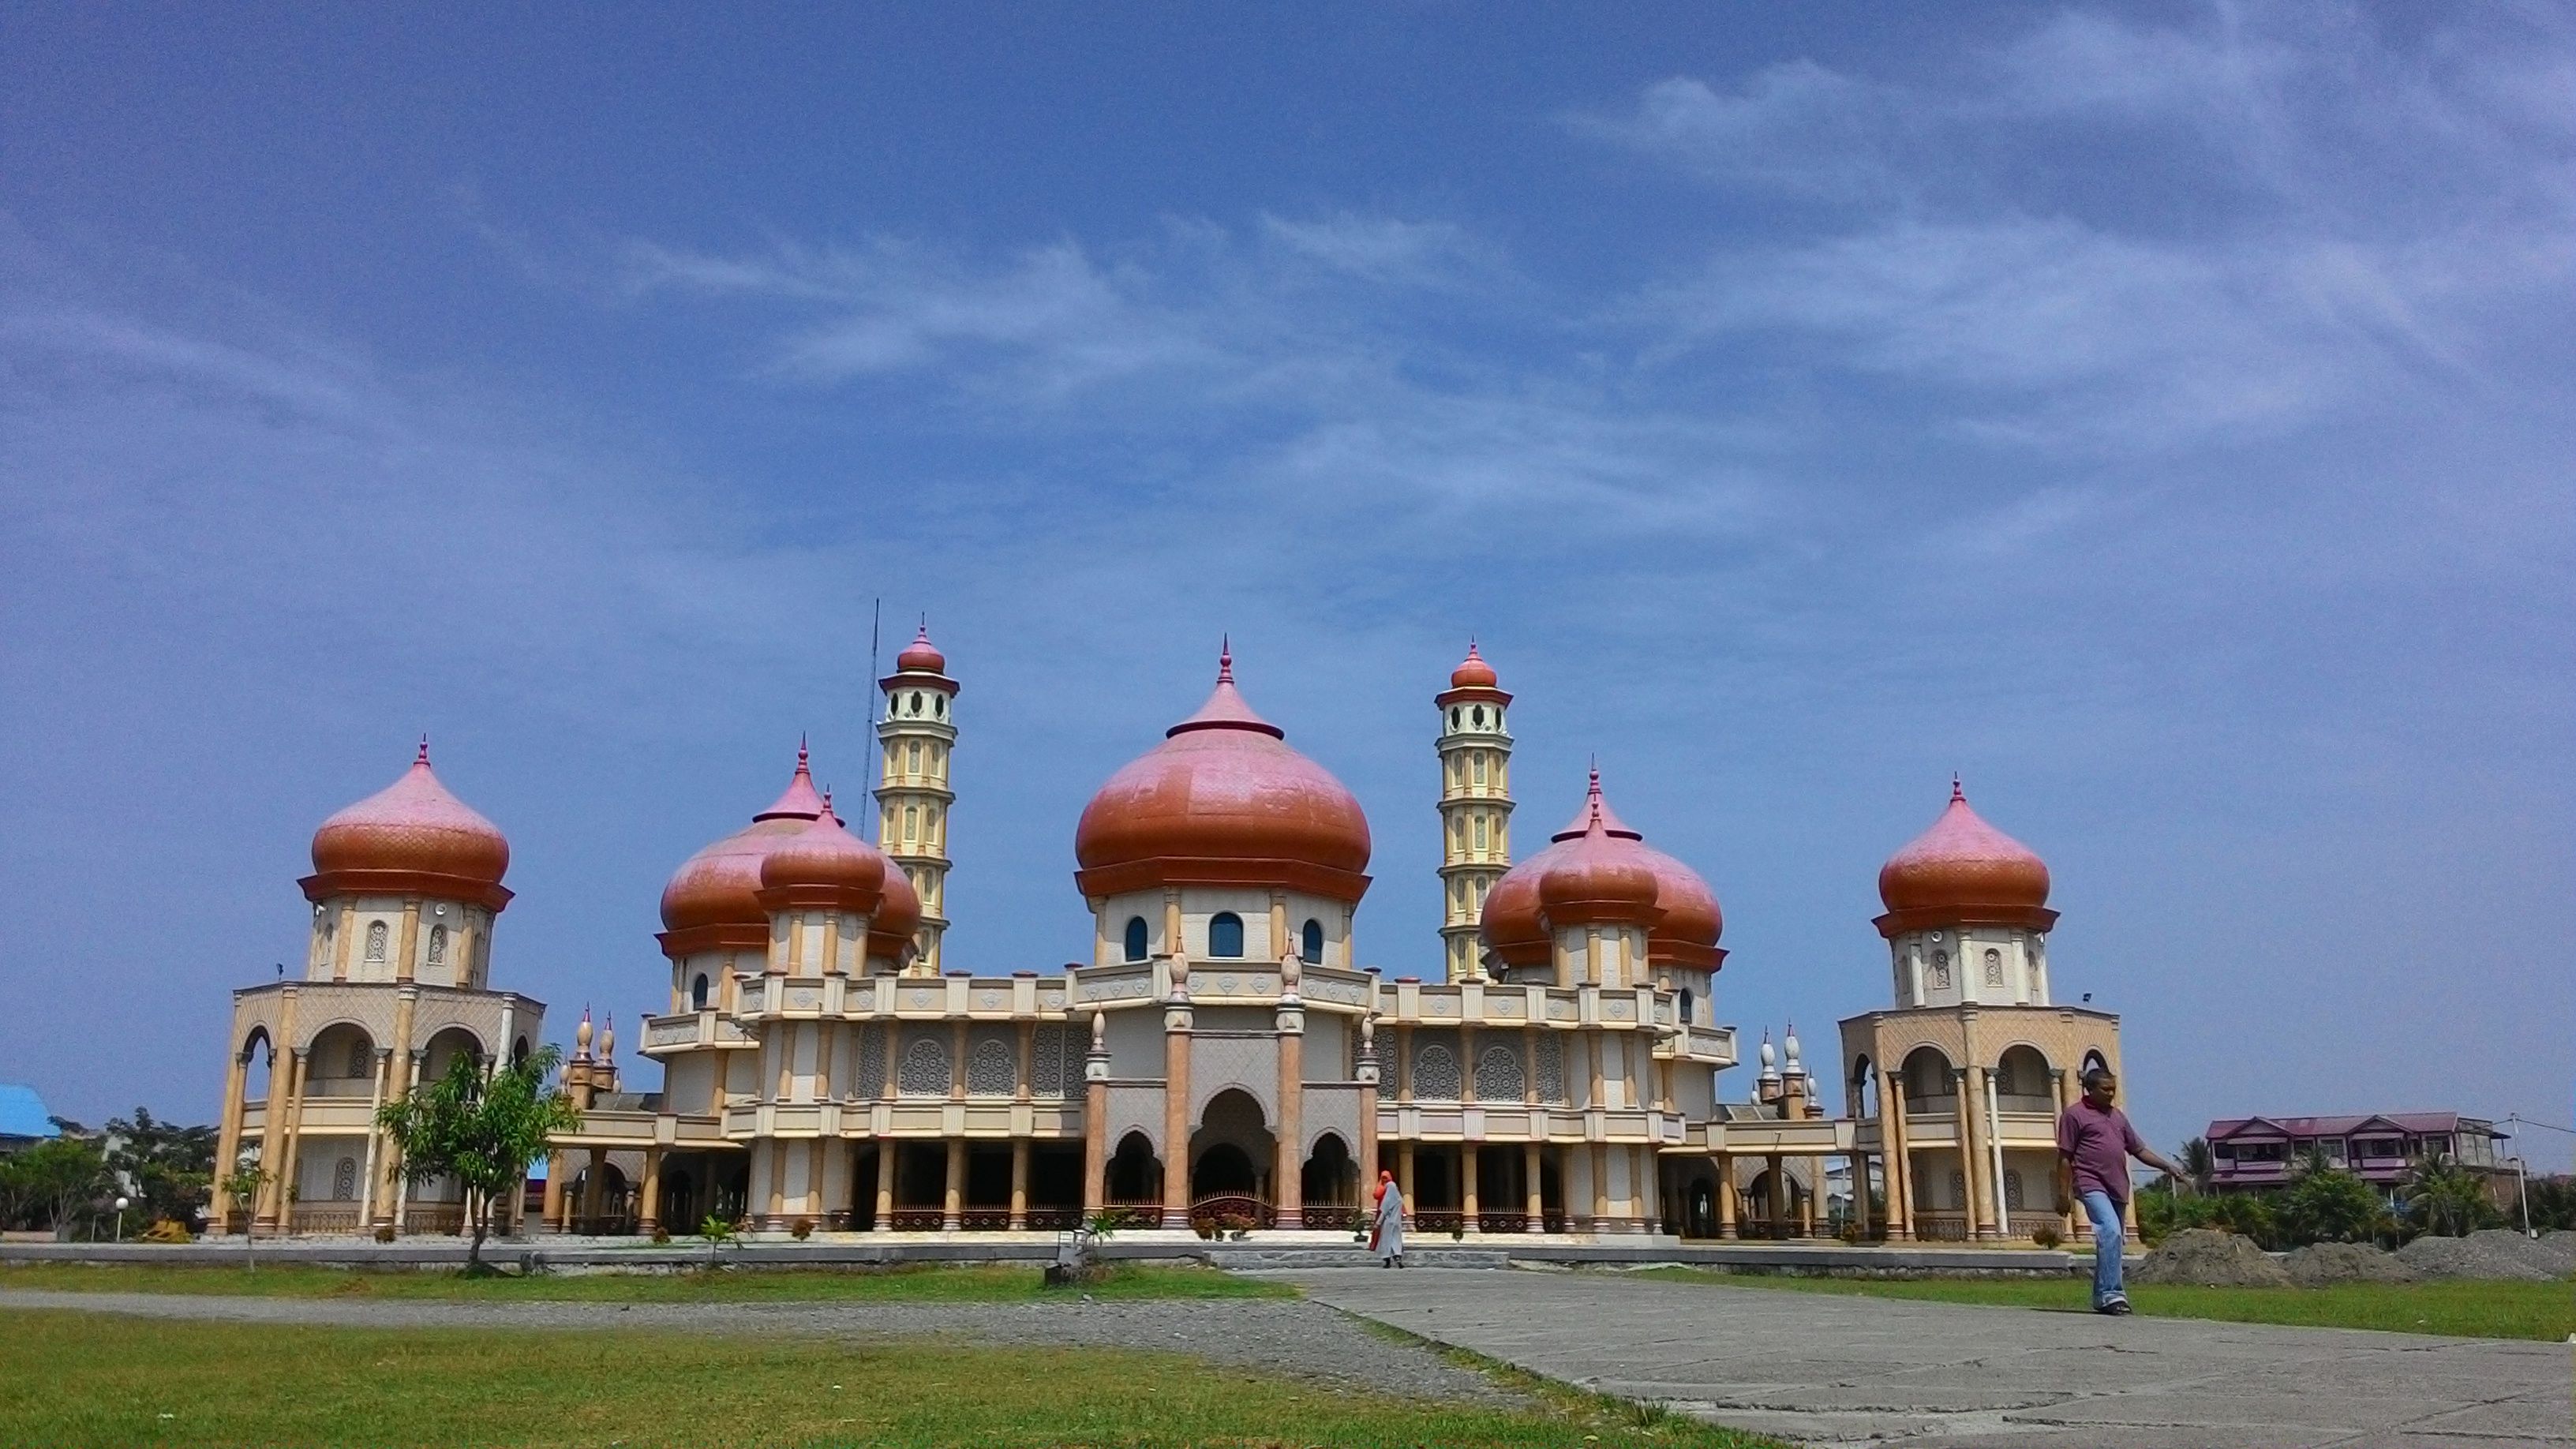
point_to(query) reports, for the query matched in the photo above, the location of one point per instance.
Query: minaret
(1475, 806)
(913, 798)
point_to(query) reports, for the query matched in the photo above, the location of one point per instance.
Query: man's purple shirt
(2097, 1142)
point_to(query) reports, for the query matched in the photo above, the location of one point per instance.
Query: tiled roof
(2416, 1122)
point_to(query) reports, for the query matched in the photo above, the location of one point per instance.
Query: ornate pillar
(228, 1137)
(1600, 1180)
(952, 1201)
(651, 1221)
(594, 1189)
(887, 1148)
(1725, 1193)
(1532, 1178)
(1019, 1183)
(411, 944)
(554, 1203)
(1898, 1156)
(1971, 1091)
(1289, 1192)
(1095, 1118)
(1176, 1101)
(1469, 1157)
(299, 1066)
(2071, 1223)
(375, 1138)
(1366, 1070)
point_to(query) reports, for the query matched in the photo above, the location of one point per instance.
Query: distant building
(24, 1122)
(2247, 1153)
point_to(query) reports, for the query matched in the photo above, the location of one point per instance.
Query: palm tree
(2197, 1164)
(2445, 1198)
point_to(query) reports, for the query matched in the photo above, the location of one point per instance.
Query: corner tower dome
(822, 865)
(1963, 872)
(411, 838)
(713, 899)
(1223, 801)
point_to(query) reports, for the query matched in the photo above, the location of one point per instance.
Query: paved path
(1832, 1369)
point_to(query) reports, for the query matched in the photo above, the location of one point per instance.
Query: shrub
(385, 1234)
(2047, 1235)
(661, 1237)
(801, 1229)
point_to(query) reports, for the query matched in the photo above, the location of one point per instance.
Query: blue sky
(2160, 416)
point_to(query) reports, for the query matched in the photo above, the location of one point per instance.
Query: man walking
(2094, 1145)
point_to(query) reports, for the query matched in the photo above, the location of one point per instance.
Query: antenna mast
(876, 617)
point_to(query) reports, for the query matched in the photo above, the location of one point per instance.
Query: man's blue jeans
(2106, 1246)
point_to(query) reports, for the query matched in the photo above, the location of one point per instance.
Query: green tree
(166, 1167)
(242, 1184)
(2553, 1203)
(2198, 1166)
(2325, 1204)
(482, 1131)
(2445, 1198)
(52, 1183)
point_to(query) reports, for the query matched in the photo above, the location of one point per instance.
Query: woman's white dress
(1390, 1223)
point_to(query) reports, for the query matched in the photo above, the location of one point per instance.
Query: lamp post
(2522, 1192)
(122, 1203)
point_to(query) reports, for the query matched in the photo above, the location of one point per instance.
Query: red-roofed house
(2260, 1152)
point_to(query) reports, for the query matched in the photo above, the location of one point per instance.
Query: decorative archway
(1135, 1173)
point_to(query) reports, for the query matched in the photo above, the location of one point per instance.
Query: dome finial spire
(1225, 659)
(1958, 795)
(423, 757)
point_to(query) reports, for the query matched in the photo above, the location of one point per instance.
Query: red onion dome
(823, 866)
(1473, 672)
(1963, 872)
(713, 899)
(1223, 801)
(898, 916)
(1597, 878)
(1520, 913)
(411, 838)
(921, 656)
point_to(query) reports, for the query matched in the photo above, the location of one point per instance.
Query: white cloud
(1795, 126)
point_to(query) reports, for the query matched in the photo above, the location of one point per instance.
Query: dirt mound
(2479, 1256)
(2211, 1259)
(2555, 1259)
(2320, 1264)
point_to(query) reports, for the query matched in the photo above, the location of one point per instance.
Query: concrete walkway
(1832, 1369)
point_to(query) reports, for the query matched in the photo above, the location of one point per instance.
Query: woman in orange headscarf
(1386, 1229)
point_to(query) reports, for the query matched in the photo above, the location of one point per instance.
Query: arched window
(1480, 767)
(912, 758)
(698, 992)
(1225, 934)
(1994, 967)
(2012, 1189)
(1312, 944)
(1136, 938)
(911, 822)
(939, 706)
(1686, 1006)
(916, 701)
(438, 945)
(1478, 714)
(1453, 716)
(376, 941)
(1940, 970)
(1436, 1074)
(362, 1058)
(344, 1180)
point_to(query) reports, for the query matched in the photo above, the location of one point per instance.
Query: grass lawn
(2467, 1309)
(924, 1284)
(79, 1379)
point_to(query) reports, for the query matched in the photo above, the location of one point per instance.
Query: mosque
(1221, 1056)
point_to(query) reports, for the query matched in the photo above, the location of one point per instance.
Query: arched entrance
(1135, 1175)
(1329, 1184)
(1230, 1161)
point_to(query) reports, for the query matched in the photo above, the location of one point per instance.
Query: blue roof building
(24, 1121)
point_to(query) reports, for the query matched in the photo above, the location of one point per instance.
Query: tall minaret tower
(916, 734)
(1475, 806)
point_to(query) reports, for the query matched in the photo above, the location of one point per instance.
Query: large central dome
(1223, 801)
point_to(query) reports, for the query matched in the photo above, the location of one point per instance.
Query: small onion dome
(1597, 878)
(411, 838)
(1473, 679)
(713, 899)
(1223, 801)
(1518, 914)
(1963, 872)
(921, 665)
(823, 866)
(898, 916)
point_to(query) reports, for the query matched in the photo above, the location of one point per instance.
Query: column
(398, 1084)
(1777, 1208)
(375, 1136)
(1963, 1121)
(1860, 1192)
(1176, 1116)
(1289, 1178)
(1095, 1147)
(594, 1190)
(1898, 1156)
(652, 1216)
(554, 1204)
(1807, 1205)
(952, 1202)
(1725, 1193)
(1983, 1190)
(228, 1138)
(294, 1140)
(886, 1150)
(2071, 1223)
(1533, 1179)
(1600, 1179)
(1019, 1183)
(1469, 1157)
(410, 943)
(1404, 1175)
